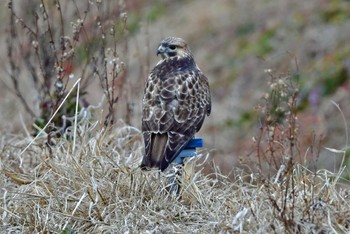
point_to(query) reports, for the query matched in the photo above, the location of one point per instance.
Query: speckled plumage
(175, 103)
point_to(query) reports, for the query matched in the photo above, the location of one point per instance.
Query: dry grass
(97, 187)
(88, 181)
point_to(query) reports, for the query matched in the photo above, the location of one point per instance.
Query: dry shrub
(52, 44)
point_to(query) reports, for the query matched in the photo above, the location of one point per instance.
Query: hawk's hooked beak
(161, 49)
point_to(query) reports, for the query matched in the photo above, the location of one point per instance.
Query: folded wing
(174, 109)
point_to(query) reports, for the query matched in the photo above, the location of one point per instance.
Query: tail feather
(155, 147)
(159, 143)
(162, 149)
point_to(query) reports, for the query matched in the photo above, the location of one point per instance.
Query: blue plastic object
(189, 150)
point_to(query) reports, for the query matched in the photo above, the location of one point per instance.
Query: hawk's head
(173, 47)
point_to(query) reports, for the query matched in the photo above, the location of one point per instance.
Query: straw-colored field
(97, 187)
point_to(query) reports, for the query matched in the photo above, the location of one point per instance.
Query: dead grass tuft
(98, 187)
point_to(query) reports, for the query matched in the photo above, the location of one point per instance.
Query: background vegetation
(276, 146)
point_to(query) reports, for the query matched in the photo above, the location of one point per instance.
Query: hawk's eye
(172, 47)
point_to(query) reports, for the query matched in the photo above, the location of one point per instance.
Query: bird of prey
(175, 103)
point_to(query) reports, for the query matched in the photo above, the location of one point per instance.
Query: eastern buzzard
(175, 103)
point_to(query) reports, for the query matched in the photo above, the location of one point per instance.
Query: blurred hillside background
(235, 43)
